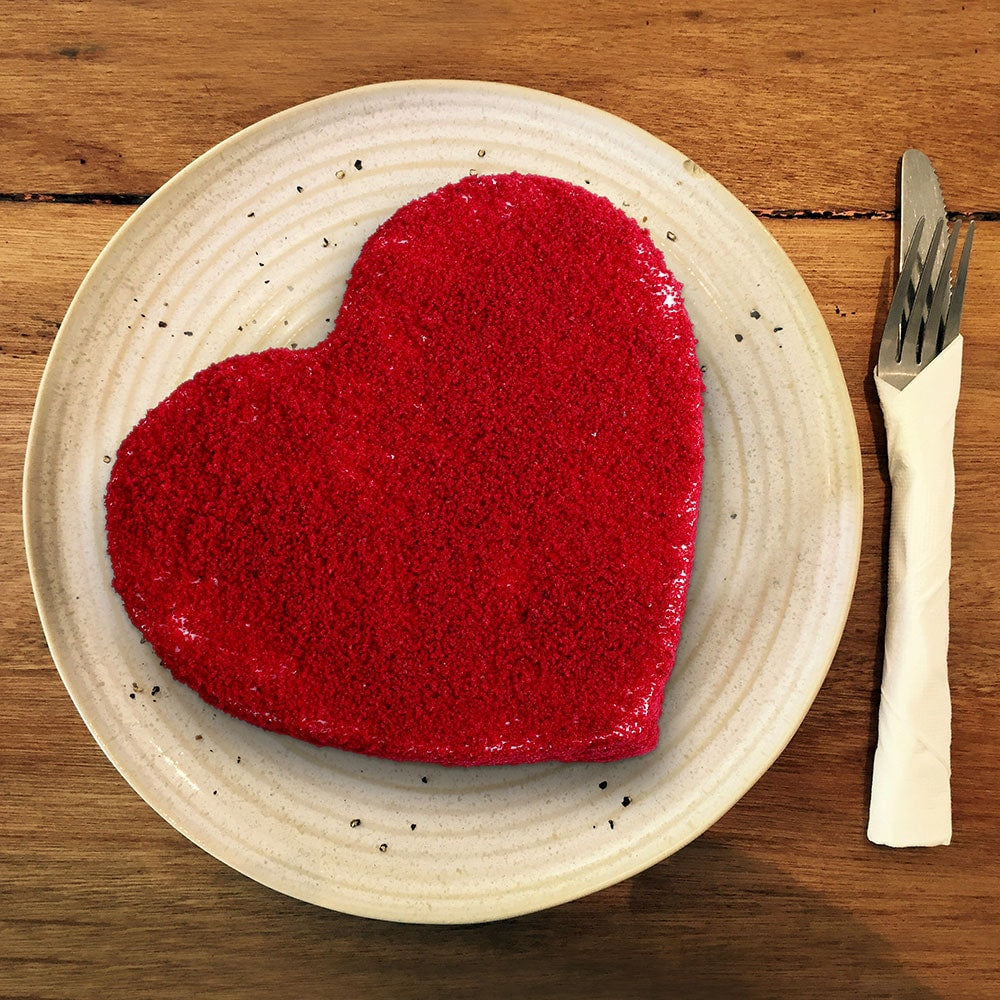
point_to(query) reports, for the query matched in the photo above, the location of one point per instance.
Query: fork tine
(930, 345)
(958, 292)
(909, 350)
(894, 319)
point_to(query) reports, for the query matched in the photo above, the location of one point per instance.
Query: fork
(909, 343)
(918, 381)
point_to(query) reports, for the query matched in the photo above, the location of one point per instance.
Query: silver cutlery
(918, 329)
(918, 378)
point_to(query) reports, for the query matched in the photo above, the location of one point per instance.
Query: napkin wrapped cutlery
(911, 780)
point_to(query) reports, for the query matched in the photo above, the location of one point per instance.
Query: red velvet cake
(460, 529)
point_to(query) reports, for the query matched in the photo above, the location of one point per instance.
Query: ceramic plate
(250, 247)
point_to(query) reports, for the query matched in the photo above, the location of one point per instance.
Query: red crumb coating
(460, 530)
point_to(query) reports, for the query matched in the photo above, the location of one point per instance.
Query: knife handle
(911, 780)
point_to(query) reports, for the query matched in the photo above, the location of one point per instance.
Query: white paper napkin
(911, 781)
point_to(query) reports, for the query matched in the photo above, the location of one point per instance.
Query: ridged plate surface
(250, 247)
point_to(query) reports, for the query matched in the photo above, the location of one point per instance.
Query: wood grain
(94, 877)
(803, 114)
(792, 105)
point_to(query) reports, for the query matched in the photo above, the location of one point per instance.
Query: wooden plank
(784, 896)
(792, 106)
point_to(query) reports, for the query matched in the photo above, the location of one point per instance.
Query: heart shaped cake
(461, 528)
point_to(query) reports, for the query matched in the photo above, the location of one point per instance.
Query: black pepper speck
(627, 801)
(357, 164)
(739, 338)
(755, 314)
(355, 823)
(603, 785)
(383, 848)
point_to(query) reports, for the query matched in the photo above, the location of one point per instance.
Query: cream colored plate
(250, 247)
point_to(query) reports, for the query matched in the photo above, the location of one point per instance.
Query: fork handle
(911, 778)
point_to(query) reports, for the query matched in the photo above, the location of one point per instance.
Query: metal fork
(911, 772)
(909, 343)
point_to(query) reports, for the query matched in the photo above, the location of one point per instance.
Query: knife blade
(919, 197)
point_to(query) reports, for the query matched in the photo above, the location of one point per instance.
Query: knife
(910, 802)
(919, 198)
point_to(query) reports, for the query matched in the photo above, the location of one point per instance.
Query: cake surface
(461, 528)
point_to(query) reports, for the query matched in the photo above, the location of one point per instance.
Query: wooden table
(802, 113)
